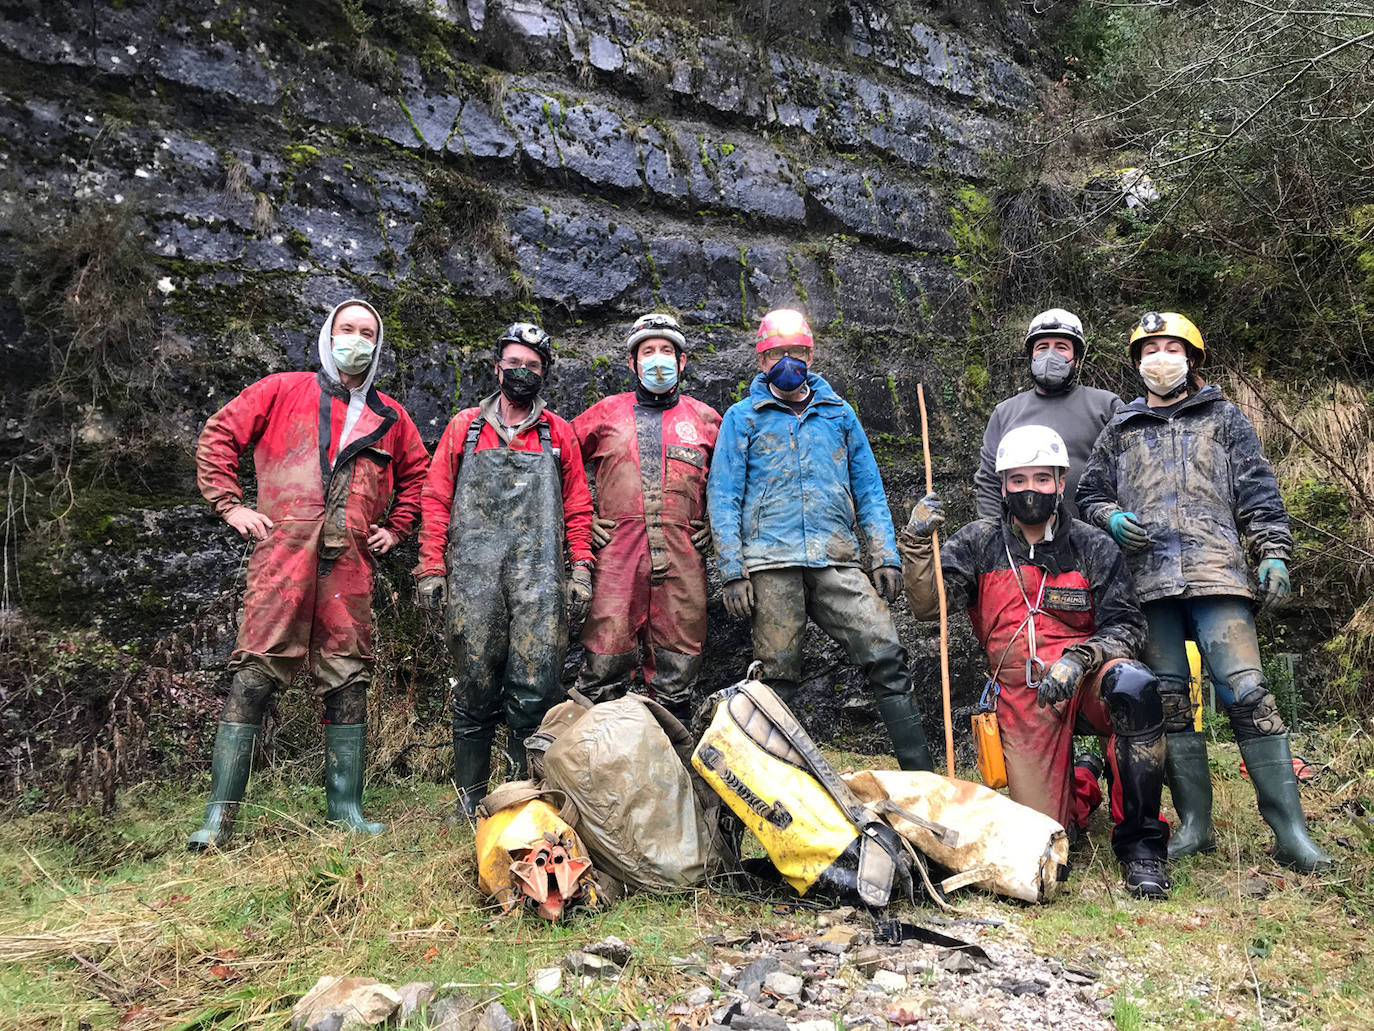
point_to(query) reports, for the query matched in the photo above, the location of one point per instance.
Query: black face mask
(521, 386)
(1030, 506)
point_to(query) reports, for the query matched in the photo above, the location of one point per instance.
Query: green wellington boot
(1190, 784)
(233, 757)
(1270, 764)
(908, 737)
(344, 745)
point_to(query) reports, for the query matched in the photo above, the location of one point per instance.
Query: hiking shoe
(1145, 878)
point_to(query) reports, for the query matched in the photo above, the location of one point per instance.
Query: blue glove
(1274, 582)
(1126, 529)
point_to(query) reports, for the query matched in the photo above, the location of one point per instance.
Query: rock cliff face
(463, 164)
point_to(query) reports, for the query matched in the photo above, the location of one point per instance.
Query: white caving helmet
(1057, 322)
(1031, 445)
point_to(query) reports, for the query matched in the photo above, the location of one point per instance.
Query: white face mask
(1163, 372)
(352, 352)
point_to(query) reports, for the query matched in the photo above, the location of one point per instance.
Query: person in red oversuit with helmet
(649, 451)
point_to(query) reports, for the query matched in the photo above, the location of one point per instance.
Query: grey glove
(739, 598)
(888, 581)
(1061, 682)
(432, 593)
(579, 593)
(601, 531)
(927, 516)
(701, 535)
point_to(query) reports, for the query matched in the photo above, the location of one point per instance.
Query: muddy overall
(842, 602)
(506, 623)
(649, 606)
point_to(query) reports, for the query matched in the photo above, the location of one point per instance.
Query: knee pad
(1177, 704)
(249, 693)
(346, 705)
(1254, 713)
(1132, 695)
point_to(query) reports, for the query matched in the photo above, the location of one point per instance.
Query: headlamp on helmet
(531, 336)
(656, 325)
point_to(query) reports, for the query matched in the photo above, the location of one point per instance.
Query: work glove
(432, 593)
(927, 516)
(701, 535)
(888, 581)
(1061, 681)
(1274, 582)
(1126, 529)
(601, 531)
(739, 598)
(579, 593)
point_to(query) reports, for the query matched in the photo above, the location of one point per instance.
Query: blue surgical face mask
(352, 352)
(788, 374)
(658, 373)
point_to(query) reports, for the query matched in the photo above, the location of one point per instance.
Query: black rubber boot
(519, 768)
(471, 770)
(344, 747)
(233, 757)
(1190, 784)
(1270, 764)
(908, 737)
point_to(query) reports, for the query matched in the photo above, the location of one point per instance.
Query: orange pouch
(987, 739)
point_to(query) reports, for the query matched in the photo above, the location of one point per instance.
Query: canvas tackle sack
(817, 833)
(644, 815)
(1003, 846)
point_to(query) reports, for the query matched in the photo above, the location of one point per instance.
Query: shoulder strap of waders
(474, 431)
(546, 445)
(517, 792)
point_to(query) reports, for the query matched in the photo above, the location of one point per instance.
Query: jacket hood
(327, 346)
(760, 395)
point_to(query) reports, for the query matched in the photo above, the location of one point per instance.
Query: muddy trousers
(842, 602)
(1121, 703)
(645, 619)
(1224, 630)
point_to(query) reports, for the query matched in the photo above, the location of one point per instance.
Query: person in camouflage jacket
(1180, 480)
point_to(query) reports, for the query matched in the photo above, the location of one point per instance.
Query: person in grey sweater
(1054, 348)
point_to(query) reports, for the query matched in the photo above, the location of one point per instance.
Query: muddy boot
(908, 737)
(471, 770)
(1145, 878)
(233, 756)
(1190, 784)
(1270, 764)
(344, 746)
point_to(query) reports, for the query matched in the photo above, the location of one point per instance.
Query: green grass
(110, 922)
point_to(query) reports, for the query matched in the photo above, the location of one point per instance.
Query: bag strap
(517, 792)
(781, 717)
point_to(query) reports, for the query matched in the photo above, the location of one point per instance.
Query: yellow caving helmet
(1167, 324)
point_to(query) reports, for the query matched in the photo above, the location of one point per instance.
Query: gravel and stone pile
(839, 972)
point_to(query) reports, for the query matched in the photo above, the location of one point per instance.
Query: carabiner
(1034, 663)
(993, 688)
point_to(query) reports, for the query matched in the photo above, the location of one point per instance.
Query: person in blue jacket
(795, 500)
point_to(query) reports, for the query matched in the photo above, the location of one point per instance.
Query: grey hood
(327, 345)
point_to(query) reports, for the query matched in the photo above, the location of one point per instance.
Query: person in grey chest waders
(506, 488)
(1055, 346)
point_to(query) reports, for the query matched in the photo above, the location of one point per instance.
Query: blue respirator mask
(788, 374)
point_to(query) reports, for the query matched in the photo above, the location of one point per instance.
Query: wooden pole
(940, 594)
